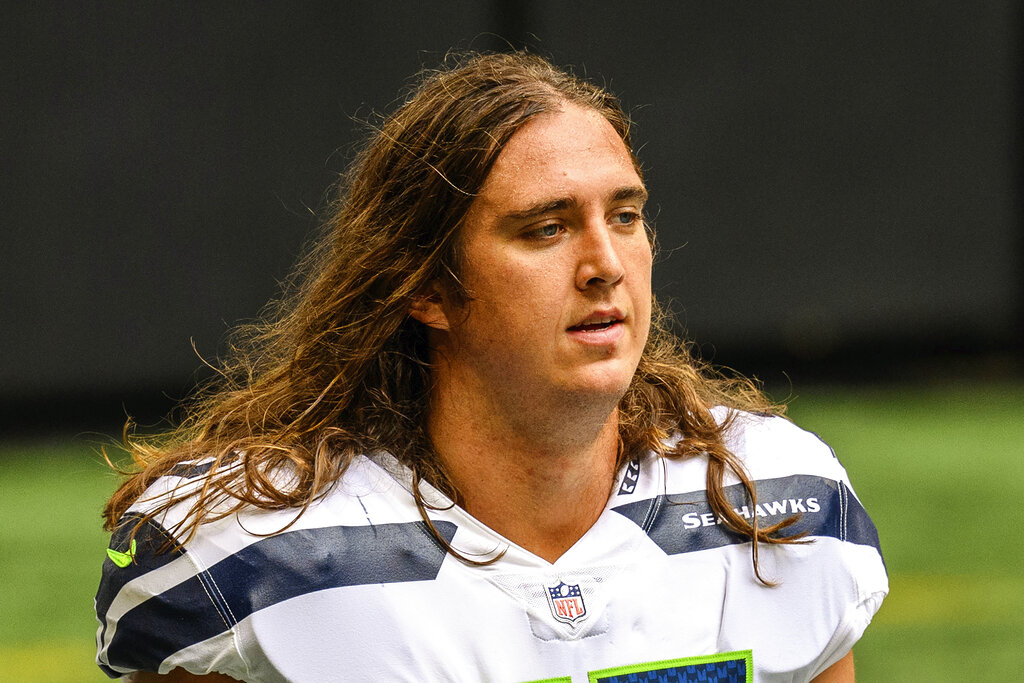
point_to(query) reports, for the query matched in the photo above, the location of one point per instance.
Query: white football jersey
(358, 588)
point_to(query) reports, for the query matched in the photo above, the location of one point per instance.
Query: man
(467, 449)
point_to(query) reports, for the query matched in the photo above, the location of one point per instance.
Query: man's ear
(428, 309)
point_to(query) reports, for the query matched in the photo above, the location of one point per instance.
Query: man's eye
(626, 218)
(549, 230)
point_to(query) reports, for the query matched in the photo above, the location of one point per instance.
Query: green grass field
(940, 470)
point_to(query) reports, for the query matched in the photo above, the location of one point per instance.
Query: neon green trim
(595, 676)
(561, 679)
(122, 560)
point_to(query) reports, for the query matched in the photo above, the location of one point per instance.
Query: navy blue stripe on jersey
(685, 523)
(190, 471)
(270, 571)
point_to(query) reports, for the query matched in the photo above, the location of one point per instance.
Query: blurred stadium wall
(835, 185)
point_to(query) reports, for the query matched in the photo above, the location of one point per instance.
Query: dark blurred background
(836, 186)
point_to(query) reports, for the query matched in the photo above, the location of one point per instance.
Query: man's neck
(539, 487)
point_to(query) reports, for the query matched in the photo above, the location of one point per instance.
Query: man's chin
(600, 386)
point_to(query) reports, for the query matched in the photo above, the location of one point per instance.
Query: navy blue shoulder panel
(270, 571)
(190, 470)
(685, 523)
(154, 547)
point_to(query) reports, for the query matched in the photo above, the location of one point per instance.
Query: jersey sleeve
(830, 585)
(158, 610)
(859, 576)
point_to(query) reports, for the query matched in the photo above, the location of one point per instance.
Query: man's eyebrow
(634, 192)
(542, 208)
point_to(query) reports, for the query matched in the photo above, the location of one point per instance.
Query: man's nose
(599, 262)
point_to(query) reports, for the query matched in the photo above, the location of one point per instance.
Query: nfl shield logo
(566, 602)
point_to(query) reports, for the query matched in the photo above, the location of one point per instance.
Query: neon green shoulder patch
(122, 559)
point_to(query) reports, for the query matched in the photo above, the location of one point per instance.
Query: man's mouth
(596, 323)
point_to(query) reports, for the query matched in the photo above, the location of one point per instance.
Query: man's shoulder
(768, 447)
(364, 530)
(793, 473)
(366, 490)
(773, 446)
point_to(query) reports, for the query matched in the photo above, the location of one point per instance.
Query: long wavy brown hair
(337, 367)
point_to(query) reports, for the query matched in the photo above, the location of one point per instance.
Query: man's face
(557, 264)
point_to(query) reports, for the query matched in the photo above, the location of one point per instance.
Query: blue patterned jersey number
(726, 667)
